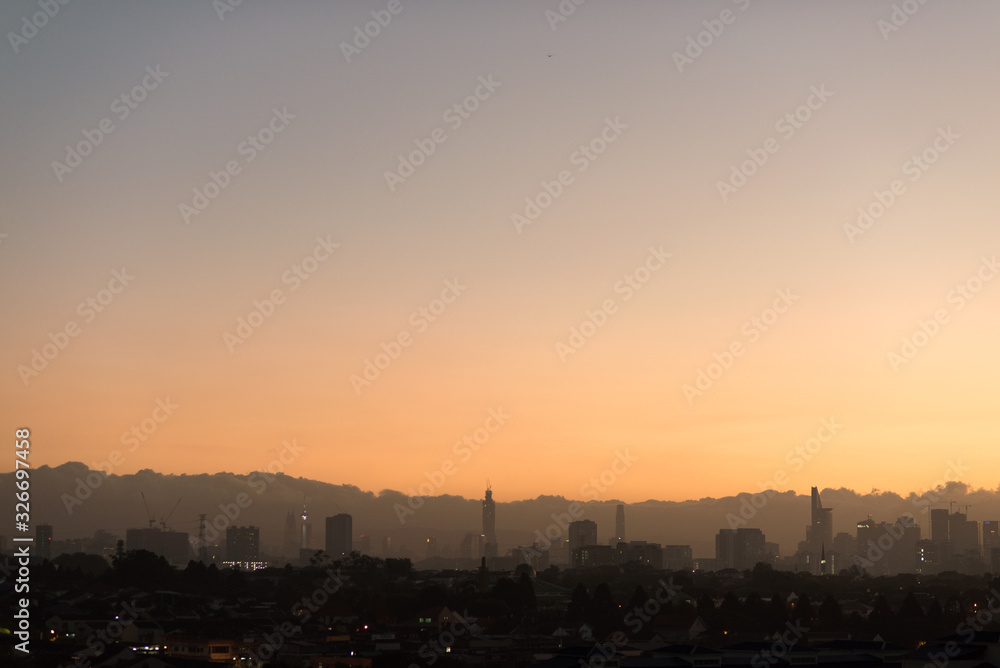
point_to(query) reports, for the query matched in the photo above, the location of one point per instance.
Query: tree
(526, 594)
(579, 603)
(730, 606)
(830, 614)
(881, 613)
(778, 611)
(638, 599)
(803, 610)
(603, 609)
(910, 611)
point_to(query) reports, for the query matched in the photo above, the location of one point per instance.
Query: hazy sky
(384, 187)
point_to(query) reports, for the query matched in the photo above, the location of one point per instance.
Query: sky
(630, 251)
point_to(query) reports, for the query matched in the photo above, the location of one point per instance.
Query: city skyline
(572, 537)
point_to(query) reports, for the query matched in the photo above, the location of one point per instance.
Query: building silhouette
(305, 538)
(243, 548)
(741, 549)
(939, 525)
(619, 524)
(43, 540)
(242, 543)
(582, 533)
(677, 557)
(819, 533)
(339, 532)
(490, 548)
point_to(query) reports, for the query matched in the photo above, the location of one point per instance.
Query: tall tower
(490, 523)
(620, 524)
(819, 533)
(306, 538)
(43, 540)
(202, 540)
(305, 531)
(339, 536)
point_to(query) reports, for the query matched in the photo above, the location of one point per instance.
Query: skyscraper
(741, 548)
(242, 544)
(939, 525)
(43, 540)
(339, 533)
(490, 523)
(819, 533)
(582, 533)
(991, 535)
(620, 524)
(305, 544)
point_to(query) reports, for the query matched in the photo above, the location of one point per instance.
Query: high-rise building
(620, 524)
(465, 549)
(991, 536)
(243, 547)
(365, 544)
(866, 534)
(964, 535)
(490, 548)
(939, 525)
(741, 549)
(677, 557)
(43, 540)
(582, 533)
(592, 556)
(820, 532)
(339, 536)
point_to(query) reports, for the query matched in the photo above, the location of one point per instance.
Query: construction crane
(163, 521)
(152, 518)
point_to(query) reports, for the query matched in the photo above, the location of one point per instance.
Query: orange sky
(311, 219)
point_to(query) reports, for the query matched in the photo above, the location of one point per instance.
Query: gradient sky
(656, 185)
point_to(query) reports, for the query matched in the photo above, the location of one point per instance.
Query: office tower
(386, 547)
(677, 557)
(242, 544)
(339, 535)
(620, 524)
(465, 549)
(490, 523)
(964, 538)
(939, 525)
(741, 549)
(641, 552)
(820, 531)
(592, 556)
(432, 547)
(991, 536)
(582, 533)
(306, 538)
(866, 535)
(365, 544)
(43, 540)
